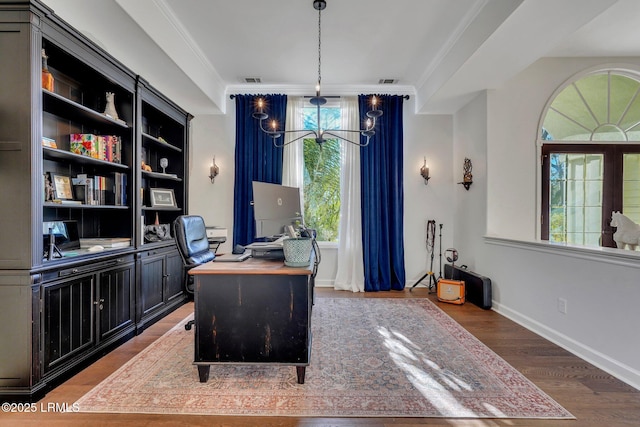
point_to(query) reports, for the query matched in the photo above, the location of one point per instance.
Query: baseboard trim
(621, 371)
(326, 283)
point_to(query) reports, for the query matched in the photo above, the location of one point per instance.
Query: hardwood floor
(591, 395)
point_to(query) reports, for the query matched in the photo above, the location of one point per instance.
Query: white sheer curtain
(350, 272)
(293, 154)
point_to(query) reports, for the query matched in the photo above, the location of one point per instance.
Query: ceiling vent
(252, 80)
(387, 81)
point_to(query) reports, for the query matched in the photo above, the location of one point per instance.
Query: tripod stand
(53, 251)
(431, 231)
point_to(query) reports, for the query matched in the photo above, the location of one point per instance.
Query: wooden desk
(256, 311)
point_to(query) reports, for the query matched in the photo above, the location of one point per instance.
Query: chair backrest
(191, 239)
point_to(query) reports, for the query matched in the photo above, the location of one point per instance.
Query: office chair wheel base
(189, 325)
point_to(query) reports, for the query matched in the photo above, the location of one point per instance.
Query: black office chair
(191, 238)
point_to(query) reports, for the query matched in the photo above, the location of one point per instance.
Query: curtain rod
(232, 96)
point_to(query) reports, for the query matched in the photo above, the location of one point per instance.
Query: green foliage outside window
(322, 177)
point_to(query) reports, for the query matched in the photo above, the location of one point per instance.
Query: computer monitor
(274, 207)
(65, 234)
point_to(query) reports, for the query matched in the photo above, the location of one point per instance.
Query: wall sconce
(214, 170)
(424, 171)
(467, 178)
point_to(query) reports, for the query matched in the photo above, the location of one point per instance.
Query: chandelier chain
(319, 44)
(319, 135)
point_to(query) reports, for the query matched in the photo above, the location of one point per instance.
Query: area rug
(371, 357)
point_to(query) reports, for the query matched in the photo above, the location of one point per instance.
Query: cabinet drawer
(157, 251)
(94, 266)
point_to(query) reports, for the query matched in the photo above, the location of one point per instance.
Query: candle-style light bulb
(368, 123)
(374, 101)
(274, 125)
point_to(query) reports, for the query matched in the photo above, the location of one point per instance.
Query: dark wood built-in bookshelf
(59, 312)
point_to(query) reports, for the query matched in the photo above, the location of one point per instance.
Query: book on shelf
(120, 188)
(101, 190)
(105, 242)
(102, 147)
(49, 142)
(67, 202)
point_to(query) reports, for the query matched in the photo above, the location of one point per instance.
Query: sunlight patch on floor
(429, 379)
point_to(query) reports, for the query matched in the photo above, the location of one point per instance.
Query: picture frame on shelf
(62, 188)
(162, 198)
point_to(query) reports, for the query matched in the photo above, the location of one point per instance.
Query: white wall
(600, 286)
(470, 141)
(213, 135)
(427, 136)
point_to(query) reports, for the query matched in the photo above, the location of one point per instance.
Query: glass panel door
(631, 186)
(575, 198)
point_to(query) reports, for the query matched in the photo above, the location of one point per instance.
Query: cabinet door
(174, 275)
(115, 300)
(151, 283)
(67, 319)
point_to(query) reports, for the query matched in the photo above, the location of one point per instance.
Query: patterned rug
(371, 357)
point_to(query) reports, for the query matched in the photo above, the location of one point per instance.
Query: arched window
(590, 137)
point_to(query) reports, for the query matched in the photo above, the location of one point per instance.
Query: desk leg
(203, 372)
(300, 370)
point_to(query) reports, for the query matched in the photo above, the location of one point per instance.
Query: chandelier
(318, 133)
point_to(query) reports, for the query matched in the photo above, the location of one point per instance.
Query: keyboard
(233, 257)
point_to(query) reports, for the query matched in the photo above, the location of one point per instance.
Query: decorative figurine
(47, 77)
(110, 109)
(627, 235)
(48, 189)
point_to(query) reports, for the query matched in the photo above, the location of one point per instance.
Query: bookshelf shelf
(57, 154)
(161, 176)
(82, 206)
(70, 109)
(159, 143)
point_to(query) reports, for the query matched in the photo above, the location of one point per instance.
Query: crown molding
(327, 90)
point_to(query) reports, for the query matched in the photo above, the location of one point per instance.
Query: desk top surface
(252, 266)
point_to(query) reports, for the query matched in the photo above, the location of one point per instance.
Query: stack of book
(103, 147)
(105, 242)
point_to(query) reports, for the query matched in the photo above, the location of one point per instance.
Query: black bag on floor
(478, 287)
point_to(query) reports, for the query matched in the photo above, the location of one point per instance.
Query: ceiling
(441, 52)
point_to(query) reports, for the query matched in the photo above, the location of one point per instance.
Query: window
(322, 175)
(590, 159)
